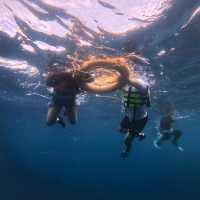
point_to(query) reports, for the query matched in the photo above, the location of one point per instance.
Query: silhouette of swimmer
(66, 84)
(165, 129)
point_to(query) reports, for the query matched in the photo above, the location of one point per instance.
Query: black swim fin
(124, 154)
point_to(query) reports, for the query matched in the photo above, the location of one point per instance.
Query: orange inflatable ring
(110, 73)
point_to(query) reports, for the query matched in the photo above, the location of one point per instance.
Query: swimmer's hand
(89, 79)
(85, 76)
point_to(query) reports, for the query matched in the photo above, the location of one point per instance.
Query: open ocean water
(83, 162)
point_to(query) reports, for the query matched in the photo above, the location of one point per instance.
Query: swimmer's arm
(55, 78)
(148, 97)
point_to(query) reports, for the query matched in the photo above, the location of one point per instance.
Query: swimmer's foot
(60, 121)
(124, 154)
(180, 148)
(156, 145)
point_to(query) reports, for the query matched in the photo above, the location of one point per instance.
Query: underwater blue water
(83, 161)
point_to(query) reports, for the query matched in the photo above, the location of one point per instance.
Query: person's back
(166, 122)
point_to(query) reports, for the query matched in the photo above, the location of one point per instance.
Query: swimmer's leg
(137, 128)
(157, 142)
(160, 138)
(124, 125)
(177, 135)
(60, 121)
(52, 114)
(128, 144)
(71, 113)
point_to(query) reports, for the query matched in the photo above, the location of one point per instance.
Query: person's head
(58, 65)
(128, 87)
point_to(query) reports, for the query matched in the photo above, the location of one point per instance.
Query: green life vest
(133, 99)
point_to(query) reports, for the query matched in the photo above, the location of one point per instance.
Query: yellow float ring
(114, 73)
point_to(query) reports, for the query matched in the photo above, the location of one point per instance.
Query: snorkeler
(166, 130)
(136, 98)
(66, 84)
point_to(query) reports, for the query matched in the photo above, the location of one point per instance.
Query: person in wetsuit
(135, 100)
(66, 85)
(165, 129)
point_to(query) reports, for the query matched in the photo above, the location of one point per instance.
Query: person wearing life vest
(135, 100)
